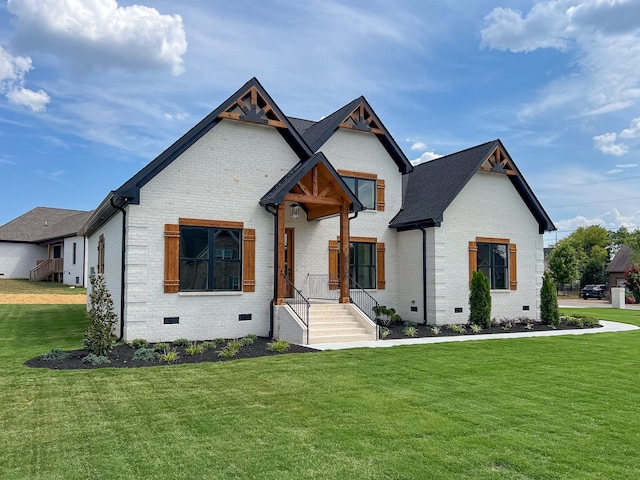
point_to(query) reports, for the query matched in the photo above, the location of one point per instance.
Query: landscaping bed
(121, 356)
(398, 330)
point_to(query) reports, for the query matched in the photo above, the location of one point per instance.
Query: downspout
(424, 274)
(122, 260)
(273, 212)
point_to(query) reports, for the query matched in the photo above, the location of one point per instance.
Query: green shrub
(160, 347)
(53, 354)
(507, 326)
(476, 328)
(247, 340)
(194, 349)
(145, 355)
(574, 322)
(229, 351)
(549, 313)
(480, 300)
(278, 345)
(95, 360)
(456, 328)
(181, 342)
(384, 332)
(138, 343)
(410, 331)
(99, 338)
(436, 330)
(209, 345)
(386, 316)
(169, 355)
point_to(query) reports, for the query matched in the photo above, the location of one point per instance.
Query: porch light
(294, 211)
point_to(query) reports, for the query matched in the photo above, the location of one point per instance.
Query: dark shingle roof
(433, 185)
(43, 223)
(621, 261)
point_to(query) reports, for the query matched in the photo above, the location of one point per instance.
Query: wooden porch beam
(344, 253)
(312, 199)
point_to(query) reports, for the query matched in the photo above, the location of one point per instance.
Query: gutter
(275, 266)
(122, 265)
(424, 274)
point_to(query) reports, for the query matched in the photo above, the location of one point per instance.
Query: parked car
(593, 291)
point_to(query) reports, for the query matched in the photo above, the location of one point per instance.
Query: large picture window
(210, 259)
(493, 261)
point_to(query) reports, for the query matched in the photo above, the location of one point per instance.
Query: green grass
(8, 285)
(538, 408)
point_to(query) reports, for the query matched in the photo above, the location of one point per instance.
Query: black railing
(299, 304)
(322, 286)
(362, 299)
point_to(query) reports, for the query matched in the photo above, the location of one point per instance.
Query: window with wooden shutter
(171, 258)
(513, 272)
(101, 254)
(367, 187)
(497, 259)
(333, 265)
(249, 260)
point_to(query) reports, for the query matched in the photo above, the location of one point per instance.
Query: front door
(288, 262)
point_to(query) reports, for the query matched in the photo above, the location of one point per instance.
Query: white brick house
(236, 225)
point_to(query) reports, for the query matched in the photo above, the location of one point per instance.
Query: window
(366, 263)
(101, 254)
(367, 187)
(362, 263)
(209, 255)
(75, 252)
(496, 258)
(364, 189)
(210, 259)
(494, 263)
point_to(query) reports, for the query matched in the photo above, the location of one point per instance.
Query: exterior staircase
(335, 323)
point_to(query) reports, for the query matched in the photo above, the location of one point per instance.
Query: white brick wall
(488, 206)
(16, 259)
(73, 270)
(221, 177)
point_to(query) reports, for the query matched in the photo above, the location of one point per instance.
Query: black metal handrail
(362, 299)
(299, 304)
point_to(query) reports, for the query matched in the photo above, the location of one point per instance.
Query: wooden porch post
(280, 247)
(344, 252)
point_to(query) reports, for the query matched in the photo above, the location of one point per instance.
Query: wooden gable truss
(251, 106)
(498, 162)
(363, 120)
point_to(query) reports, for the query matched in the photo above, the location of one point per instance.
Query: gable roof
(622, 260)
(293, 178)
(357, 115)
(44, 223)
(433, 185)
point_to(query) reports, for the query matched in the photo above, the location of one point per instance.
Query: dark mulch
(122, 357)
(425, 330)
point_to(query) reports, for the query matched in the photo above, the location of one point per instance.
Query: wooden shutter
(334, 280)
(473, 259)
(249, 260)
(171, 258)
(513, 271)
(380, 195)
(380, 281)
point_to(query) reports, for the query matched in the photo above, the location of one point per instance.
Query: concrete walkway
(607, 327)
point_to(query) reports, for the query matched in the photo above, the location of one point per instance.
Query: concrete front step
(334, 323)
(340, 338)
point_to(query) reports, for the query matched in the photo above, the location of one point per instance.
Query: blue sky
(91, 91)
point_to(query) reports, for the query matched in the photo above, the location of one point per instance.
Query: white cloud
(96, 35)
(419, 146)
(606, 144)
(611, 219)
(633, 131)
(613, 171)
(627, 165)
(12, 72)
(596, 33)
(425, 157)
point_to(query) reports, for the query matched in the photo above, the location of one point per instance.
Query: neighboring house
(44, 244)
(238, 226)
(622, 260)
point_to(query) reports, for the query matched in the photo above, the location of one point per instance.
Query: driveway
(580, 303)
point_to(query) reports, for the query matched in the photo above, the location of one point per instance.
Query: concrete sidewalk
(607, 327)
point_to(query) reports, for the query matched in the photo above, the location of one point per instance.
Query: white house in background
(44, 244)
(239, 228)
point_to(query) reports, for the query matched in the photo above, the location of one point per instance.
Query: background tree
(563, 263)
(549, 312)
(589, 243)
(594, 273)
(480, 300)
(632, 277)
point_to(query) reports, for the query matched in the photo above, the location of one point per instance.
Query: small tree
(549, 312)
(563, 263)
(632, 277)
(99, 337)
(480, 300)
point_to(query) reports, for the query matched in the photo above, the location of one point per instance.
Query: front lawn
(22, 286)
(543, 408)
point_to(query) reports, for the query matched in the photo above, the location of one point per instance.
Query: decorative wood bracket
(498, 163)
(363, 120)
(252, 107)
